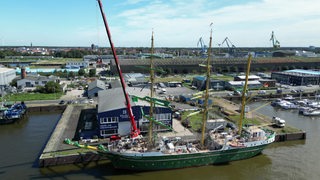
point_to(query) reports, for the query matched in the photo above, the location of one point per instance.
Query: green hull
(175, 161)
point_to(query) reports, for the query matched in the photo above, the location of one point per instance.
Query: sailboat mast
(206, 96)
(134, 130)
(243, 100)
(151, 91)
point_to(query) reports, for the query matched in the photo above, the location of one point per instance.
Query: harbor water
(22, 143)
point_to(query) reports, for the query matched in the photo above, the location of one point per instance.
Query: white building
(6, 76)
(34, 81)
(77, 64)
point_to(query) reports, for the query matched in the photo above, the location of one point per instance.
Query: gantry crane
(231, 47)
(203, 47)
(275, 42)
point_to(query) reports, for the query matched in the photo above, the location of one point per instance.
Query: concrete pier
(58, 153)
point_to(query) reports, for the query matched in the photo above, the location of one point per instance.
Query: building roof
(2, 70)
(97, 83)
(250, 77)
(302, 71)
(234, 83)
(113, 99)
(201, 78)
(40, 78)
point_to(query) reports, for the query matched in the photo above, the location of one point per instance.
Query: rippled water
(23, 142)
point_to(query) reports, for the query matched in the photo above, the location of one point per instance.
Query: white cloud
(181, 23)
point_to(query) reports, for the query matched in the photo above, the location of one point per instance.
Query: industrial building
(112, 113)
(77, 64)
(34, 81)
(297, 77)
(238, 85)
(200, 82)
(243, 78)
(94, 87)
(6, 76)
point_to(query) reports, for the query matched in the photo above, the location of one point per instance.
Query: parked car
(262, 92)
(61, 102)
(294, 91)
(231, 125)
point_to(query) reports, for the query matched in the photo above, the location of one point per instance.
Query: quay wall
(70, 159)
(47, 108)
(291, 136)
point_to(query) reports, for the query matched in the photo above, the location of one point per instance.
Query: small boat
(287, 105)
(277, 102)
(12, 114)
(311, 112)
(289, 98)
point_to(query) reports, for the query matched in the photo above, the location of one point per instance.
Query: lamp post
(54, 92)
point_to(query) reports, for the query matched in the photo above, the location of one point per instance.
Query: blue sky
(176, 23)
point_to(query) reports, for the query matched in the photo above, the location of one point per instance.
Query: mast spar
(206, 96)
(243, 100)
(151, 91)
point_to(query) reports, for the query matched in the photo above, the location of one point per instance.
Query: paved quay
(65, 128)
(179, 131)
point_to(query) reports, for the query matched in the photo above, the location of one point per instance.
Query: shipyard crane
(203, 47)
(231, 47)
(275, 42)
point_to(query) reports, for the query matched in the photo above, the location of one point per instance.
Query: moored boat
(172, 154)
(13, 113)
(311, 112)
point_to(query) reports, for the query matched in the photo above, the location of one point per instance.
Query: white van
(162, 91)
(278, 122)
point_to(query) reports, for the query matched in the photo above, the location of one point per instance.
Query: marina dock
(283, 134)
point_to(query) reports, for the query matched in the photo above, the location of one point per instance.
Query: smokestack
(23, 73)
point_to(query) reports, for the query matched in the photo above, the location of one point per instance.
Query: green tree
(81, 72)
(71, 74)
(92, 72)
(14, 83)
(52, 87)
(40, 89)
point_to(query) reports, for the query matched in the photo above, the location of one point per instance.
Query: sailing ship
(141, 154)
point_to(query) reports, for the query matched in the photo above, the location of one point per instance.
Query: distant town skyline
(176, 23)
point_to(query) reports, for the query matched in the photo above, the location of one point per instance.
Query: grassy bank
(32, 96)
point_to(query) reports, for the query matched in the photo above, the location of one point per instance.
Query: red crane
(134, 130)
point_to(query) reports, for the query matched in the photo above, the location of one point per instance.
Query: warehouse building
(200, 83)
(238, 85)
(94, 87)
(297, 77)
(6, 76)
(243, 78)
(113, 118)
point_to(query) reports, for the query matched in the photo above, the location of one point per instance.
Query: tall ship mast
(206, 95)
(150, 137)
(174, 152)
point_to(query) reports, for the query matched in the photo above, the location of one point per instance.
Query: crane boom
(134, 130)
(275, 42)
(231, 47)
(203, 47)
